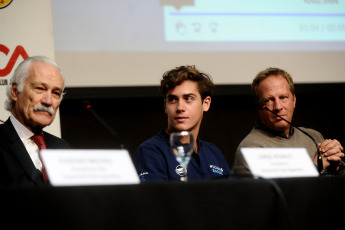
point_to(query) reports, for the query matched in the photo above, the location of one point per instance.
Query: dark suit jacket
(16, 166)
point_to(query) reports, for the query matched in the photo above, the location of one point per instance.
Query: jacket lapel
(19, 151)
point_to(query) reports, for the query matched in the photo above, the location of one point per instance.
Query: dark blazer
(16, 166)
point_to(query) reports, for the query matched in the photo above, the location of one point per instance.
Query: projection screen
(133, 42)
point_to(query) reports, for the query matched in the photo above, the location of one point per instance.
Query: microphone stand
(261, 105)
(89, 108)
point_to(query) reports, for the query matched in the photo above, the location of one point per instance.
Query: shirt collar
(259, 125)
(23, 132)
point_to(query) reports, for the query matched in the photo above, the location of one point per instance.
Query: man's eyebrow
(38, 83)
(46, 84)
(189, 94)
(58, 88)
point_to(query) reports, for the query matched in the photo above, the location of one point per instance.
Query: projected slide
(252, 20)
(132, 42)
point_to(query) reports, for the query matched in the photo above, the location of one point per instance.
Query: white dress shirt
(25, 134)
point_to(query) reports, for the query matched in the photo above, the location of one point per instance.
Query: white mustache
(48, 109)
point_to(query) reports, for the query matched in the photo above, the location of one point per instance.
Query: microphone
(89, 107)
(261, 105)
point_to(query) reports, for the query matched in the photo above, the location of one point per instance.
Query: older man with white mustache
(33, 98)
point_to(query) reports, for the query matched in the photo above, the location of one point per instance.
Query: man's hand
(331, 151)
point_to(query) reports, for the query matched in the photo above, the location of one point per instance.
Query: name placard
(89, 167)
(279, 162)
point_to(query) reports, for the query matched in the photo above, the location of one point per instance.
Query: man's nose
(277, 105)
(180, 106)
(47, 98)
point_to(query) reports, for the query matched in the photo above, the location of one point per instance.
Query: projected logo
(5, 3)
(18, 51)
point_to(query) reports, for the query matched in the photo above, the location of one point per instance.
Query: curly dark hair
(176, 76)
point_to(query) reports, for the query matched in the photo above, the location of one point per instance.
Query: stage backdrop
(26, 30)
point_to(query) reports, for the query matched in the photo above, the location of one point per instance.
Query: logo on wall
(5, 3)
(18, 51)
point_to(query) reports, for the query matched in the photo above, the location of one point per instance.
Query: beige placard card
(89, 167)
(279, 162)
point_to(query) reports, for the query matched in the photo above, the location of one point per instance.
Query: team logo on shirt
(216, 169)
(142, 176)
(180, 170)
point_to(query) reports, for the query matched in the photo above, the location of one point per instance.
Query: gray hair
(21, 73)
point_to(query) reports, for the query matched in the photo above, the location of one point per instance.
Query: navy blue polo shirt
(155, 161)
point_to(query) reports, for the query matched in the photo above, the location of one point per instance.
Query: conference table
(241, 203)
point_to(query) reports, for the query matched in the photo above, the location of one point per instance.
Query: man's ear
(165, 107)
(206, 103)
(14, 92)
(294, 101)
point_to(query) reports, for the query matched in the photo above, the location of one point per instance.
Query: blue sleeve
(150, 163)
